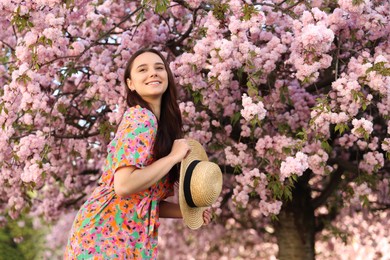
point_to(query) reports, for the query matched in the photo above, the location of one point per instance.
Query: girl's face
(149, 77)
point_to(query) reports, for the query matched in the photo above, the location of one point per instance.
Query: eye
(141, 70)
(160, 68)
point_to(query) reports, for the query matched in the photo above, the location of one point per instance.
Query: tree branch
(171, 44)
(97, 41)
(9, 46)
(334, 182)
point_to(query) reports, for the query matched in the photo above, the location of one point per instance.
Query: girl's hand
(207, 216)
(180, 149)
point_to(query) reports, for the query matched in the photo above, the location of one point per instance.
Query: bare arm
(172, 210)
(169, 210)
(129, 179)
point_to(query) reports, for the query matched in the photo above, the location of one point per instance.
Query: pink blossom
(386, 144)
(52, 33)
(77, 48)
(349, 6)
(372, 161)
(361, 127)
(250, 109)
(294, 165)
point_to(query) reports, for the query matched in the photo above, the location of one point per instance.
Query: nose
(153, 73)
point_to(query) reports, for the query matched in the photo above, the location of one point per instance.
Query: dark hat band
(187, 183)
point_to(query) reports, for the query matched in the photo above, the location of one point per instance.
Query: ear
(129, 84)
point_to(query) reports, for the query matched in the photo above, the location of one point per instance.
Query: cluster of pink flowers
(347, 140)
(361, 127)
(252, 110)
(317, 162)
(353, 6)
(295, 96)
(272, 207)
(386, 145)
(360, 191)
(254, 182)
(237, 155)
(294, 165)
(194, 3)
(312, 41)
(201, 130)
(372, 162)
(367, 239)
(273, 144)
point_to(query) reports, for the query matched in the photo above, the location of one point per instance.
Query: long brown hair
(170, 126)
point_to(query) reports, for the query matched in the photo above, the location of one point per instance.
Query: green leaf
(69, 3)
(302, 135)
(202, 32)
(380, 68)
(325, 145)
(21, 21)
(274, 217)
(357, 2)
(248, 11)
(105, 130)
(294, 177)
(220, 10)
(198, 97)
(240, 72)
(364, 106)
(287, 150)
(252, 90)
(88, 103)
(283, 128)
(364, 200)
(287, 195)
(161, 6)
(341, 127)
(237, 170)
(23, 78)
(62, 108)
(141, 15)
(234, 119)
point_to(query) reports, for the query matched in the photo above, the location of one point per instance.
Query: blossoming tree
(290, 97)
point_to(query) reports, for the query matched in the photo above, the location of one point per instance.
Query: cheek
(164, 74)
(138, 80)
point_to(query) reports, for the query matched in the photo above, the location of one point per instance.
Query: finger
(207, 219)
(187, 153)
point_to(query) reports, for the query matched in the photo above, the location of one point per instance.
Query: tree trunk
(295, 229)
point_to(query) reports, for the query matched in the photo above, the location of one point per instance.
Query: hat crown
(205, 184)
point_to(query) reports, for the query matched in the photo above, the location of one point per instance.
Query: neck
(156, 108)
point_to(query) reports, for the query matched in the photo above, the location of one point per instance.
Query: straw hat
(200, 184)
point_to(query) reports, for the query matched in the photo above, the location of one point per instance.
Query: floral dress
(108, 226)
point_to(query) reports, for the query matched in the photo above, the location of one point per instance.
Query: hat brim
(192, 217)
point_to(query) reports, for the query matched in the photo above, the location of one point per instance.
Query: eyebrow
(157, 63)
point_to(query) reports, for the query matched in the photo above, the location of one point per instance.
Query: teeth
(153, 83)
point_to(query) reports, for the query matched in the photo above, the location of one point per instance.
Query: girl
(120, 219)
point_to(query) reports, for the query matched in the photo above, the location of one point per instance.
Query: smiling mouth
(153, 83)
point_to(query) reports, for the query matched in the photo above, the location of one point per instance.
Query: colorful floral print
(110, 227)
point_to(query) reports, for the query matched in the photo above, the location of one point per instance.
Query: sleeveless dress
(110, 227)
